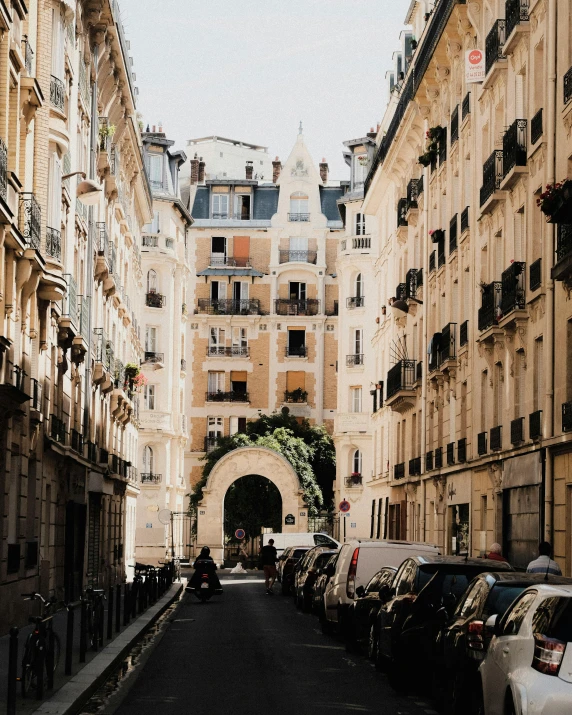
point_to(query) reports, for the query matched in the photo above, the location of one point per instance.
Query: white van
(357, 562)
(306, 538)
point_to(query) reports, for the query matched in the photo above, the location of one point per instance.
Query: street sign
(289, 519)
(240, 533)
(345, 506)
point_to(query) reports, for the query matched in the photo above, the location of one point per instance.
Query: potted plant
(556, 202)
(437, 234)
(106, 131)
(356, 477)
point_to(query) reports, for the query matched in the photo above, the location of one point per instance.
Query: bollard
(83, 632)
(12, 672)
(69, 639)
(110, 613)
(99, 635)
(50, 645)
(118, 608)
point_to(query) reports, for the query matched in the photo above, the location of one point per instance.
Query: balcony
(516, 431)
(450, 454)
(354, 360)
(466, 106)
(413, 193)
(448, 351)
(464, 333)
(482, 443)
(354, 480)
(103, 456)
(567, 417)
(401, 380)
(453, 234)
(568, 86)
(413, 281)
(285, 306)
(563, 268)
(399, 471)
(231, 396)
(298, 217)
(455, 125)
(155, 300)
(57, 94)
(219, 260)
(402, 212)
(419, 371)
(496, 438)
(211, 443)
(415, 467)
(462, 450)
(494, 45)
(431, 261)
(536, 129)
(224, 351)
(535, 425)
(516, 12)
(298, 351)
(439, 458)
(57, 429)
(492, 178)
(490, 310)
(401, 291)
(229, 306)
(288, 256)
(464, 220)
(151, 479)
(355, 302)
(30, 220)
(514, 151)
(76, 441)
(153, 358)
(443, 147)
(150, 241)
(92, 452)
(54, 244)
(298, 396)
(513, 291)
(429, 461)
(36, 403)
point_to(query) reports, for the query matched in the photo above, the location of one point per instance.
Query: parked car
(305, 573)
(528, 668)
(286, 563)
(323, 575)
(462, 642)
(359, 560)
(424, 594)
(303, 538)
(360, 624)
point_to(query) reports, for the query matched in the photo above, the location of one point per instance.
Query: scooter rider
(205, 565)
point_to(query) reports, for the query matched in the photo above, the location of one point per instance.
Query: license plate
(204, 585)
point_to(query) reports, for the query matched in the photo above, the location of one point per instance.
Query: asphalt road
(247, 653)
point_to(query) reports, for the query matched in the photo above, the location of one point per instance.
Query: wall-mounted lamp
(87, 190)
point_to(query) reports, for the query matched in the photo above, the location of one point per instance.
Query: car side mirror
(492, 626)
(360, 591)
(384, 592)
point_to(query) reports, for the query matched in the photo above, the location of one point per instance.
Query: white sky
(252, 69)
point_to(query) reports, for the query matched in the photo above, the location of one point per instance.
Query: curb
(70, 698)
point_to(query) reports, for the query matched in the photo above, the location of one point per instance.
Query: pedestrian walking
(495, 553)
(544, 564)
(268, 558)
(243, 555)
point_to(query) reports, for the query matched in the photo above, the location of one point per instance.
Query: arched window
(299, 206)
(356, 462)
(359, 286)
(152, 282)
(148, 460)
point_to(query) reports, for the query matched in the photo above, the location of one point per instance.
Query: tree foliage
(252, 502)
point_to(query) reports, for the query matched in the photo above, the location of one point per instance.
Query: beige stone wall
(330, 374)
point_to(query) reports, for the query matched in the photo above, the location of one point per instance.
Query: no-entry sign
(240, 533)
(344, 506)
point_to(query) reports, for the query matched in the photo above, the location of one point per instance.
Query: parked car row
(473, 633)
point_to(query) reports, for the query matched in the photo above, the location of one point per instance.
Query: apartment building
(222, 158)
(471, 434)
(263, 333)
(163, 425)
(70, 280)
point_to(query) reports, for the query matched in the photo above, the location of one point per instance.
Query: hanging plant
(426, 158)
(139, 382)
(363, 160)
(556, 202)
(107, 130)
(434, 136)
(437, 234)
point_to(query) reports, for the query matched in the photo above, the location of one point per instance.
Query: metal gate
(325, 524)
(184, 534)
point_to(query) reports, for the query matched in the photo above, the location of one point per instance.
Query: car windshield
(298, 553)
(501, 596)
(322, 560)
(323, 540)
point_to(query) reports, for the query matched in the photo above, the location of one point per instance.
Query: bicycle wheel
(28, 679)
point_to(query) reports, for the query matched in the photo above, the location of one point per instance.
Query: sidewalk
(71, 691)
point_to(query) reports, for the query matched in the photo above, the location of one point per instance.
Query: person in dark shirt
(268, 558)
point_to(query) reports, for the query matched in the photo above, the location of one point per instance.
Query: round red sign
(240, 533)
(475, 57)
(344, 506)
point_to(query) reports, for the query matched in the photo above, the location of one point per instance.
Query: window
(473, 600)
(240, 290)
(218, 251)
(58, 44)
(55, 192)
(155, 165)
(149, 397)
(360, 170)
(296, 342)
(242, 207)
(519, 383)
(358, 344)
(299, 203)
(150, 339)
(356, 462)
(239, 341)
(220, 206)
(216, 382)
(515, 616)
(298, 248)
(360, 224)
(217, 341)
(215, 427)
(297, 291)
(538, 374)
(237, 425)
(359, 286)
(148, 460)
(156, 224)
(152, 282)
(218, 290)
(355, 399)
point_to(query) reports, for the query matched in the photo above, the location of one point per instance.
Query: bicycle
(94, 614)
(42, 646)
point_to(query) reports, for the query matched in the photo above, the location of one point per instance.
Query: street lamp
(87, 190)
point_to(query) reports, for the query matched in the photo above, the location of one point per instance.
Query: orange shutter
(238, 376)
(295, 380)
(241, 250)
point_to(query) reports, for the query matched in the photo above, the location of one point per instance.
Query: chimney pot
(201, 170)
(154, 128)
(324, 169)
(276, 168)
(195, 170)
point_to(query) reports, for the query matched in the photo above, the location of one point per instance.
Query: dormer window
(220, 206)
(155, 166)
(361, 164)
(299, 207)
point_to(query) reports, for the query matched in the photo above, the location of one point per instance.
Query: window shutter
(238, 375)
(241, 250)
(295, 380)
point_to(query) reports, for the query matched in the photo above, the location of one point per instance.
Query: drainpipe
(425, 245)
(547, 262)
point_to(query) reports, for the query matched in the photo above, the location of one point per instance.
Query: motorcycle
(204, 583)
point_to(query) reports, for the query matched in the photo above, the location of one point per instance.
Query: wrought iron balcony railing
(150, 241)
(453, 234)
(419, 371)
(563, 241)
(224, 351)
(54, 243)
(441, 254)
(76, 441)
(297, 395)
(567, 416)
(482, 443)
(155, 300)
(401, 376)
(401, 291)
(413, 193)
(455, 125)
(429, 461)
(494, 44)
(30, 220)
(516, 11)
(119, 374)
(492, 175)
(513, 296)
(296, 216)
(431, 261)
(92, 452)
(296, 351)
(413, 281)
(415, 467)
(462, 450)
(357, 301)
(354, 480)
(466, 107)
(496, 438)
(229, 306)
(536, 129)
(230, 396)
(402, 212)
(490, 310)
(448, 343)
(465, 219)
(517, 430)
(57, 94)
(286, 306)
(353, 360)
(535, 425)
(439, 458)
(464, 333)
(399, 470)
(450, 454)
(291, 256)
(57, 429)
(568, 86)
(69, 301)
(152, 357)
(150, 478)
(514, 145)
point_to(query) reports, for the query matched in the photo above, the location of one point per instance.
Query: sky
(253, 69)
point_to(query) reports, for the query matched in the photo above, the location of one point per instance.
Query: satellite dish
(164, 516)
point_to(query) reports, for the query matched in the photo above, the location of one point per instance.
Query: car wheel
(478, 700)
(372, 643)
(396, 675)
(284, 588)
(325, 625)
(452, 702)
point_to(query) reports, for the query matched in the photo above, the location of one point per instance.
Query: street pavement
(247, 653)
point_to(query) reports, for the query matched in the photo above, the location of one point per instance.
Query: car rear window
(454, 580)
(501, 596)
(324, 540)
(298, 553)
(553, 618)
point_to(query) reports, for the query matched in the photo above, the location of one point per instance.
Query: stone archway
(240, 463)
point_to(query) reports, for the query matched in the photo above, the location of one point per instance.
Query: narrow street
(245, 653)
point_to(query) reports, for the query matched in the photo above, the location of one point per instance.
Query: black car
(462, 643)
(305, 574)
(425, 591)
(323, 575)
(361, 615)
(286, 564)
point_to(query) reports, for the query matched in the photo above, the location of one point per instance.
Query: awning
(231, 272)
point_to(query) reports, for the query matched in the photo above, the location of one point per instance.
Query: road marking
(325, 647)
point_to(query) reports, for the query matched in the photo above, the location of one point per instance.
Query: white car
(528, 667)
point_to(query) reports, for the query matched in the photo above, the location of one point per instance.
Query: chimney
(201, 170)
(372, 133)
(195, 170)
(249, 170)
(324, 171)
(276, 168)
(154, 129)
